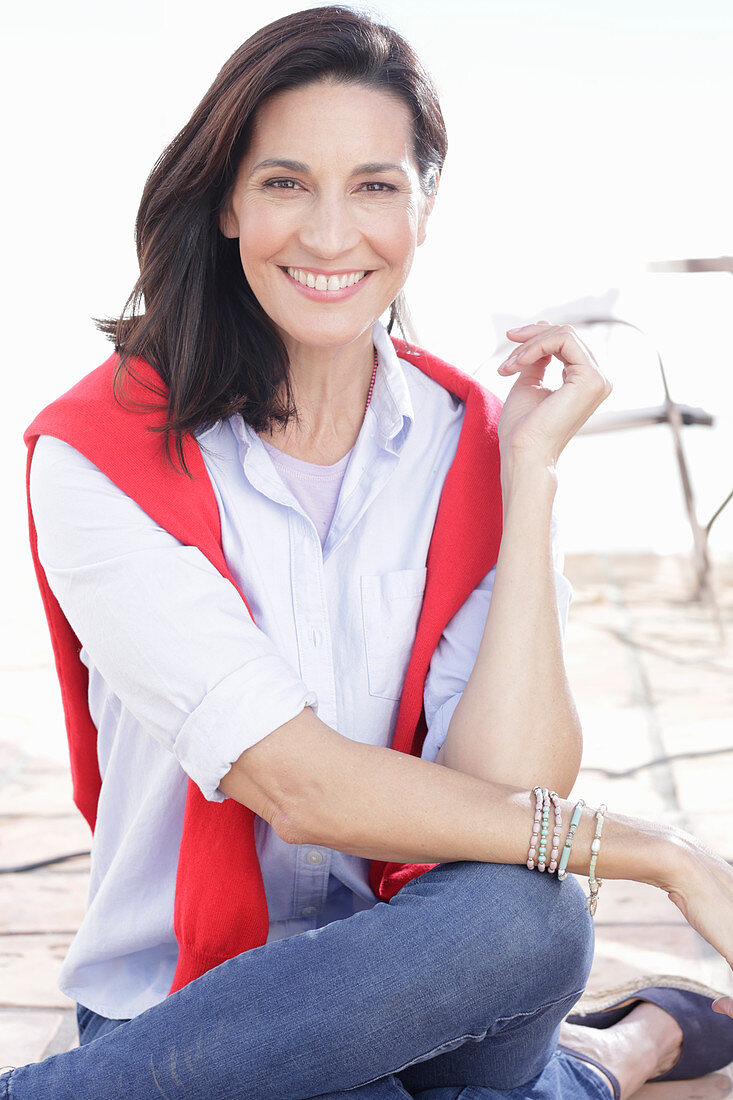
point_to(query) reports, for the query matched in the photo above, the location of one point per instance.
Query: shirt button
(308, 911)
(314, 857)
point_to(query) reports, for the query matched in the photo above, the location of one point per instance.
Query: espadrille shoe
(707, 1036)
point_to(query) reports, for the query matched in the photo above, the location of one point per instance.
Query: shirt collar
(390, 405)
(391, 402)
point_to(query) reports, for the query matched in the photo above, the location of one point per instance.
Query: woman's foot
(644, 1044)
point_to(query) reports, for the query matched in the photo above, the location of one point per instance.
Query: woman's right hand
(704, 896)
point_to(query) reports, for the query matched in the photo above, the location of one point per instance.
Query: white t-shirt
(315, 487)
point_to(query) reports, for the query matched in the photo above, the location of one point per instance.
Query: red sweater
(220, 904)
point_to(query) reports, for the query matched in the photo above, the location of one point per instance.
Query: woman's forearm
(516, 721)
(380, 804)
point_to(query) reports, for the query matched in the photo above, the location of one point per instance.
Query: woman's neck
(330, 388)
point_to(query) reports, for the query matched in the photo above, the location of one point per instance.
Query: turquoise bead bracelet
(574, 822)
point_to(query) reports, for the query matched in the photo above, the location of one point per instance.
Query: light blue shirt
(182, 681)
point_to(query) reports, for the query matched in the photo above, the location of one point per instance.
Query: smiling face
(328, 209)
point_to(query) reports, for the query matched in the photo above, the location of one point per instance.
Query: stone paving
(650, 678)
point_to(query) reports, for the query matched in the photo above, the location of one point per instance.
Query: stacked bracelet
(594, 883)
(540, 831)
(574, 821)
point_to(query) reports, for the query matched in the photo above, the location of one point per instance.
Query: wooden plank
(41, 902)
(26, 1035)
(31, 838)
(29, 966)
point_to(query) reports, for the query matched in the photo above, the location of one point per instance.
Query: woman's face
(328, 210)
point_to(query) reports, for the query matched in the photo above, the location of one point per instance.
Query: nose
(329, 228)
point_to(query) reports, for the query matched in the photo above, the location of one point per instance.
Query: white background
(586, 140)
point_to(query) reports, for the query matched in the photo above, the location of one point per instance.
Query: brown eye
(283, 185)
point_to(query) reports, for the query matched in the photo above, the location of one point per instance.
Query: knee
(536, 926)
(562, 929)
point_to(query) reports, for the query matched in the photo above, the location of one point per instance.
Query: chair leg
(705, 585)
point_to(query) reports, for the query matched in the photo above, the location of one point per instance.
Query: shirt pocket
(391, 605)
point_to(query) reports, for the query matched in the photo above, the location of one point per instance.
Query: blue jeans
(456, 988)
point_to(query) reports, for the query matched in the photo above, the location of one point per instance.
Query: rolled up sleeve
(170, 637)
(456, 652)
(264, 694)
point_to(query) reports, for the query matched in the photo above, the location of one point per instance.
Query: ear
(227, 221)
(426, 209)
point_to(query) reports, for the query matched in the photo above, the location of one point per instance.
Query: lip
(327, 295)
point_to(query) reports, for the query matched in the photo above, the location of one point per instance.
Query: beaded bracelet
(574, 822)
(537, 792)
(556, 831)
(595, 884)
(543, 831)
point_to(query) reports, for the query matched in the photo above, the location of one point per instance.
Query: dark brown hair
(202, 328)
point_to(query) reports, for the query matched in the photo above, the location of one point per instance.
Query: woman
(311, 755)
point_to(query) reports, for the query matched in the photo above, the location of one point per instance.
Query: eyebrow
(298, 166)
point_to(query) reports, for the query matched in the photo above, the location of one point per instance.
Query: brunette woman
(307, 608)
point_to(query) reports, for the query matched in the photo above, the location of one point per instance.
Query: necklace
(371, 386)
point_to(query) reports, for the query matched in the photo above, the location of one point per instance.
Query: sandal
(707, 1036)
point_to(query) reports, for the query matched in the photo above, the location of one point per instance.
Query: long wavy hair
(202, 329)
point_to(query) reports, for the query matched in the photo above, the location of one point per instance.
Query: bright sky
(586, 139)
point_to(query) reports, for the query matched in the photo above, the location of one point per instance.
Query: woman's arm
(382, 804)
(516, 718)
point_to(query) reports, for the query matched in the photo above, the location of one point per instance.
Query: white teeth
(323, 282)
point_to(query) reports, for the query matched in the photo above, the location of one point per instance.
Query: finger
(561, 341)
(582, 380)
(523, 332)
(534, 372)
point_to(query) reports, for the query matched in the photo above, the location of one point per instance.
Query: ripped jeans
(455, 988)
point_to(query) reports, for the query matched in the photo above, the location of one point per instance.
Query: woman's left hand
(538, 422)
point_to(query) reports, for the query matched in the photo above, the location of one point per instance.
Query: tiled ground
(650, 680)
